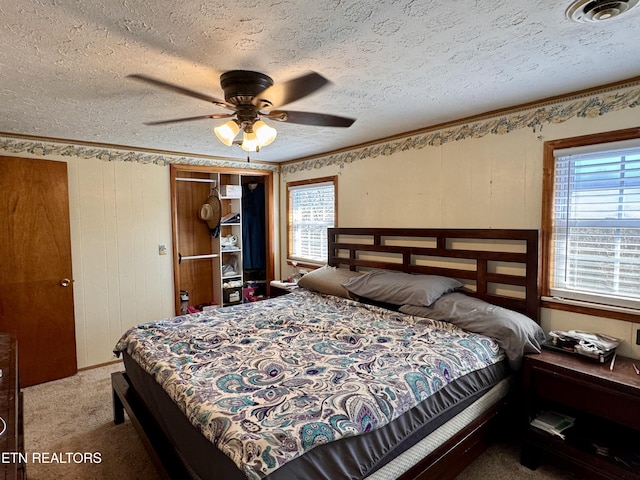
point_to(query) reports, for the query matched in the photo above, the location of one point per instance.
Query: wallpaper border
(15, 145)
(588, 105)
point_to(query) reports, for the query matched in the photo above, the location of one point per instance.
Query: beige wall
(120, 214)
(489, 182)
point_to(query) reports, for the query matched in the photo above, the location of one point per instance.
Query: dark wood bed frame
(475, 256)
(350, 246)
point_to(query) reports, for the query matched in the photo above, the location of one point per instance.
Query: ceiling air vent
(587, 11)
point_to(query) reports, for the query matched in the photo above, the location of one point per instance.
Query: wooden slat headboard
(497, 265)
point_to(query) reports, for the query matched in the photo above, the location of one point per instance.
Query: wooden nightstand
(605, 441)
(278, 288)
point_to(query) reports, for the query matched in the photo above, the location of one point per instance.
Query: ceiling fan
(253, 96)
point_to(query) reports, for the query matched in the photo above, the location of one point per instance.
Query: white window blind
(596, 226)
(312, 211)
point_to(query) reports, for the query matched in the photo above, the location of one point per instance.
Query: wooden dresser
(12, 461)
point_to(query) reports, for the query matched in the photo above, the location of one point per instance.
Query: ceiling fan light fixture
(266, 134)
(251, 95)
(250, 142)
(227, 132)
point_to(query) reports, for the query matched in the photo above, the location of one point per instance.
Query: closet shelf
(208, 266)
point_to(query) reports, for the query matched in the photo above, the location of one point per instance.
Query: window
(593, 220)
(311, 209)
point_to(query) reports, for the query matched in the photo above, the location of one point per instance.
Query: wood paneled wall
(120, 214)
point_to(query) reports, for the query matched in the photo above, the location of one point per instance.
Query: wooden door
(192, 238)
(36, 291)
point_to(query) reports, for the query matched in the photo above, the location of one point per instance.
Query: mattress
(432, 384)
(428, 444)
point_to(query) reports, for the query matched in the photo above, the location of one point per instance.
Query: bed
(357, 374)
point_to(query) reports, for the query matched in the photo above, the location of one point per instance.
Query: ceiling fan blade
(179, 89)
(188, 119)
(309, 118)
(282, 93)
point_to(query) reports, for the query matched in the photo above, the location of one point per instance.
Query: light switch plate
(162, 249)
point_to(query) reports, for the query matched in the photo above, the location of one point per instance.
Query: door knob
(65, 282)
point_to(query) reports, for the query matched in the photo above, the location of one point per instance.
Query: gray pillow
(328, 280)
(399, 288)
(517, 334)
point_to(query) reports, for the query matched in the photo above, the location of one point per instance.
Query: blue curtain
(253, 236)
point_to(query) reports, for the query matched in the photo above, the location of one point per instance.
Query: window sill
(606, 311)
(304, 263)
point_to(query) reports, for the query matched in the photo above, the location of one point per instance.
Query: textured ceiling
(395, 65)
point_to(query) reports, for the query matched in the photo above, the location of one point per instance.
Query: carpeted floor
(70, 435)
(501, 461)
(74, 415)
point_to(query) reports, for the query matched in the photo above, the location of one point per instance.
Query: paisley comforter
(268, 381)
